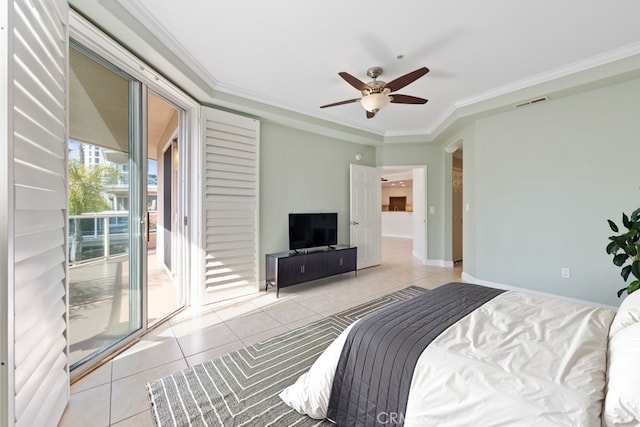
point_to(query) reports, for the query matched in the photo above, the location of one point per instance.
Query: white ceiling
(287, 54)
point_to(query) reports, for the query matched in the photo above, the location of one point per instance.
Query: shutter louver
(231, 204)
(39, 121)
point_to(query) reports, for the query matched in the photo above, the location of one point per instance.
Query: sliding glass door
(124, 200)
(105, 286)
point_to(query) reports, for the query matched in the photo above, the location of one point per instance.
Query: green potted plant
(625, 249)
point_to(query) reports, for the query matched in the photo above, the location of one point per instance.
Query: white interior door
(419, 215)
(365, 216)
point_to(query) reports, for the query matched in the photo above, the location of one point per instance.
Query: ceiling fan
(378, 94)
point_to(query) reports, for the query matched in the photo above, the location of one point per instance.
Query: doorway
(165, 290)
(456, 202)
(118, 130)
(409, 221)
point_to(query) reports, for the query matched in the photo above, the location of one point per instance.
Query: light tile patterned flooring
(115, 393)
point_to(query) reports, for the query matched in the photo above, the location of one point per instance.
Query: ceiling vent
(531, 101)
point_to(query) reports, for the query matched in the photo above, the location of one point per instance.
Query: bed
(464, 354)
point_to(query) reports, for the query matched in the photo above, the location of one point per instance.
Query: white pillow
(622, 399)
(628, 314)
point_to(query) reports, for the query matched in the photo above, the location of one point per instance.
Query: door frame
(457, 210)
(91, 38)
(420, 215)
(424, 259)
(171, 147)
(450, 149)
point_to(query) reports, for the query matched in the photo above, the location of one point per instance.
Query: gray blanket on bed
(372, 380)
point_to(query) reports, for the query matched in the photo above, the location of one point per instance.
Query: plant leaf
(635, 268)
(626, 270)
(612, 248)
(620, 259)
(633, 286)
(631, 250)
(620, 240)
(621, 291)
(626, 222)
(613, 226)
(635, 215)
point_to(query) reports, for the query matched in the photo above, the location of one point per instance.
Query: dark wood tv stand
(291, 268)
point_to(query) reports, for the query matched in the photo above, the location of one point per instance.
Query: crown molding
(558, 73)
(139, 12)
(559, 81)
(278, 103)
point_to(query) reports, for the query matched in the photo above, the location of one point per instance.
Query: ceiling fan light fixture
(376, 95)
(375, 102)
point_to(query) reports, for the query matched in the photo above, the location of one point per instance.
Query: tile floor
(115, 394)
(99, 301)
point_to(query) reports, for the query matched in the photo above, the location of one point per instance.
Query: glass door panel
(165, 292)
(104, 232)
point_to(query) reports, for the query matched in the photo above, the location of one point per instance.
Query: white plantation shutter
(37, 142)
(231, 171)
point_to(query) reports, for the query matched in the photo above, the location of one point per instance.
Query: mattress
(518, 359)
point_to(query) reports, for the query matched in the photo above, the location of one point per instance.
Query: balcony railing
(95, 236)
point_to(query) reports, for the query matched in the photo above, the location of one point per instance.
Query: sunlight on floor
(115, 394)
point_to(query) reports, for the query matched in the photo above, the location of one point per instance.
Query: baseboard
(469, 278)
(439, 263)
(398, 236)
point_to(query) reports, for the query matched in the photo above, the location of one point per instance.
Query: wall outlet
(565, 272)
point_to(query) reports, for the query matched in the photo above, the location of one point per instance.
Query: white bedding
(519, 359)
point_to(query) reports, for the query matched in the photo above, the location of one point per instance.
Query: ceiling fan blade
(407, 99)
(353, 81)
(348, 101)
(402, 81)
(370, 114)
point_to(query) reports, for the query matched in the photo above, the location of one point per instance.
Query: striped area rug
(242, 387)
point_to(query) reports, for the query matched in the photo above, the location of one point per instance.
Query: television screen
(310, 230)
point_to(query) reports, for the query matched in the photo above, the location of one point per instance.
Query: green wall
(542, 181)
(303, 172)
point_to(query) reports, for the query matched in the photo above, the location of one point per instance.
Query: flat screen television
(310, 230)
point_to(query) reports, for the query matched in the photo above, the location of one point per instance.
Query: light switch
(432, 210)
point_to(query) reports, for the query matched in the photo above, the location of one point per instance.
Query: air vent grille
(531, 101)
